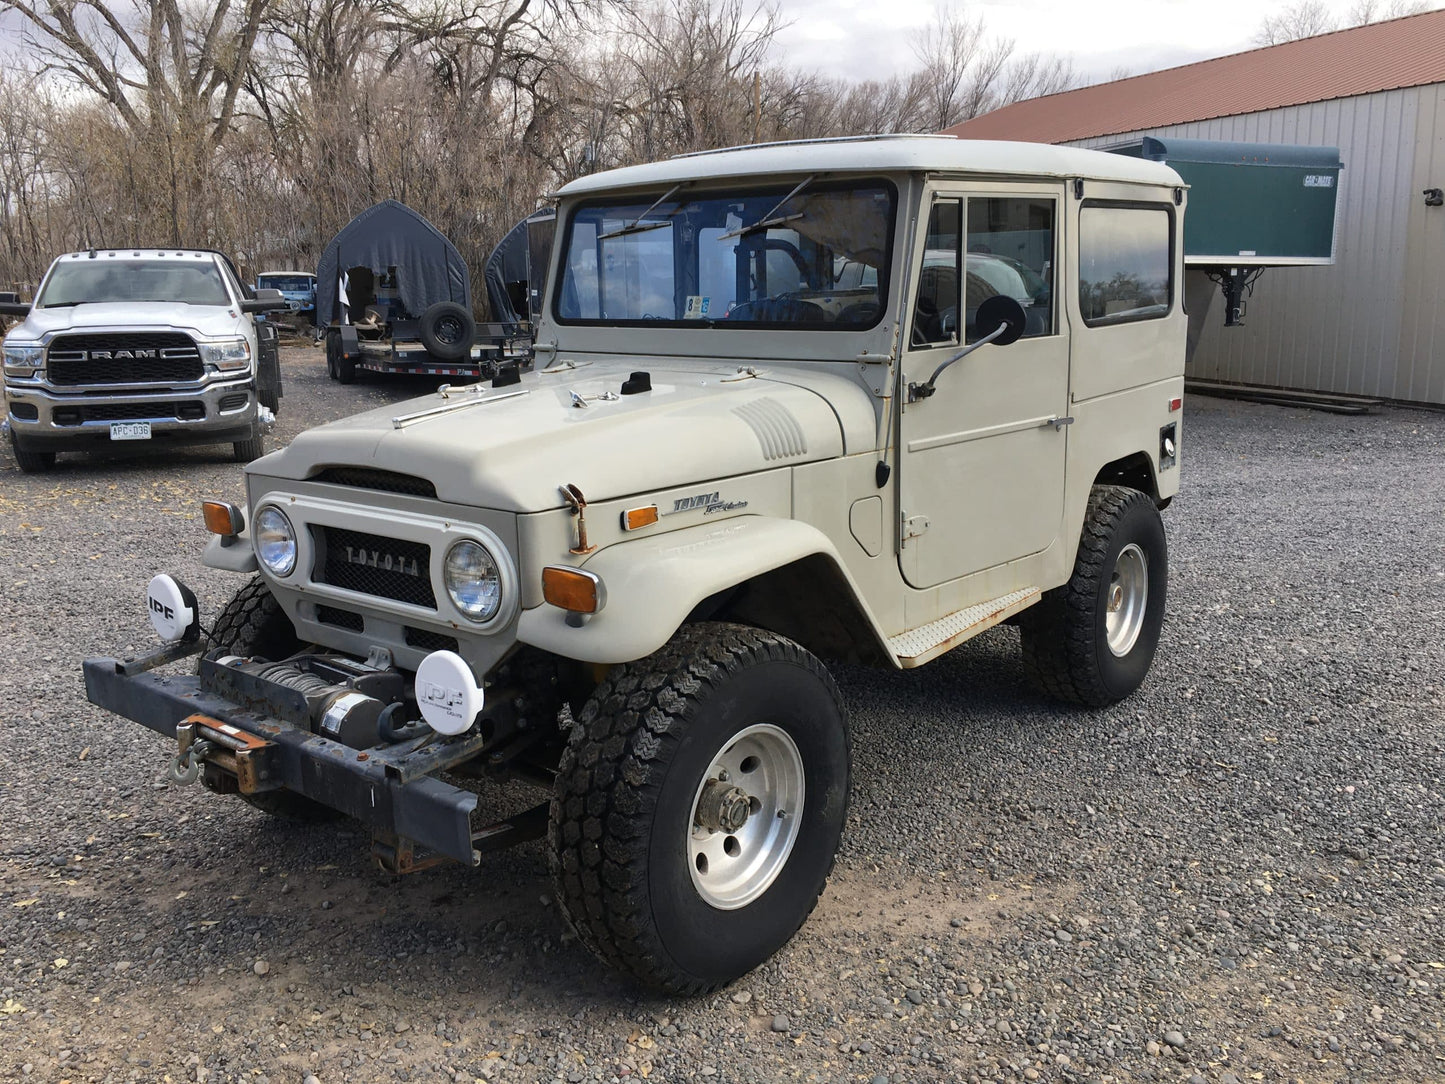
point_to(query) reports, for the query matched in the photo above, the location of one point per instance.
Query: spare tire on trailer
(447, 330)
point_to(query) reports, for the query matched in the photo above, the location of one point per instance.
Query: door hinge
(913, 526)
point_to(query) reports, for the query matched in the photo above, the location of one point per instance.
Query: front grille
(342, 619)
(386, 567)
(430, 641)
(170, 357)
(190, 410)
(369, 478)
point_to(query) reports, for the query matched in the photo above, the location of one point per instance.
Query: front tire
(29, 461)
(253, 447)
(1091, 641)
(679, 850)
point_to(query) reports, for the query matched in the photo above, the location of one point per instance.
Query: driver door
(982, 459)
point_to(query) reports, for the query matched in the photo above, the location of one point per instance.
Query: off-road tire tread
(614, 752)
(1057, 634)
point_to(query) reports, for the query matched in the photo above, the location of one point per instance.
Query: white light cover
(447, 694)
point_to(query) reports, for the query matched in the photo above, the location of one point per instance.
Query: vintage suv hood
(205, 321)
(699, 422)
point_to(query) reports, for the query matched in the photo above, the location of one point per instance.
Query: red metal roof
(1405, 52)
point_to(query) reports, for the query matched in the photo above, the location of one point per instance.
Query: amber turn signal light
(634, 518)
(223, 519)
(573, 589)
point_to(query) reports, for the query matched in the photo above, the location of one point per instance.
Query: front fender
(654, 583)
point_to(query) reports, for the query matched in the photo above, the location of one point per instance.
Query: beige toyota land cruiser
(844, 400)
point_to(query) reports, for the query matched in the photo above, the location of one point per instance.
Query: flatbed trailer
(493, 347)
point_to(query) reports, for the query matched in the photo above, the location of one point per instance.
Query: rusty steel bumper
(385, 788)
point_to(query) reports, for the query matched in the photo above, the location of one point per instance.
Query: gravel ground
(1236, 875)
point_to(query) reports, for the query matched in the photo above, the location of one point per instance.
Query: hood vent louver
(371, 478)
(779, 433)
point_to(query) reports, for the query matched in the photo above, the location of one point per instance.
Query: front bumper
(206, 413)
(386, 788)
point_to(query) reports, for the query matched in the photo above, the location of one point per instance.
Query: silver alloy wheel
(1127, 600)
(745, 816)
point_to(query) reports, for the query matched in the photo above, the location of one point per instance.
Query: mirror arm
(923, 391)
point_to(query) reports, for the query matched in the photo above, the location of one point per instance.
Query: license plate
(130, 430)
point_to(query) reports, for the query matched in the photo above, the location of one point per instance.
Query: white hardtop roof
(883, 154)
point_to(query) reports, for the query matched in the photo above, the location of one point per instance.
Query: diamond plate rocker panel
(918, 646)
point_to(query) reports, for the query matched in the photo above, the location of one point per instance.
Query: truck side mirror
(999, 320)
(14, 308)
(265, 301)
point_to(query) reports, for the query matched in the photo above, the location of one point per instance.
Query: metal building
(1374, 323)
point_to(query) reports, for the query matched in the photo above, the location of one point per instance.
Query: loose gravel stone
(781, 1023)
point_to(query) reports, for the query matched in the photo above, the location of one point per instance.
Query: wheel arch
(781, 575)
(1134, 471)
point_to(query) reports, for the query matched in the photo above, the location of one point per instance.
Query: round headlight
(473, 580)
(275, 541)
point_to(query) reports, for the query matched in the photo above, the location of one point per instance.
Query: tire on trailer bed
(677, 847)
(1091, 641)
(253, 623)
(447, 330)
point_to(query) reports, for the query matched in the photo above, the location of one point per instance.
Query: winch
(353, 703)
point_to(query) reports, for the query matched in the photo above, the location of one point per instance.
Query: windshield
(87, 281)
(292, 283)
(797, 256)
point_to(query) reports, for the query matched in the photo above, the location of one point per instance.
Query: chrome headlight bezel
(494, 592)
(227, 355)
(24, 359)
(282, 536)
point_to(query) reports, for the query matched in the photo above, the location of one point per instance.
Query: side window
(935, 312)
(1011, 252)
(1125, 270)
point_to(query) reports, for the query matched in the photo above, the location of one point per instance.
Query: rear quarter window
(1126, 266)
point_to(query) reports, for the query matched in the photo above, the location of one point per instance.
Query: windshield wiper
(635, 226)
(768, 221)
(61, 304)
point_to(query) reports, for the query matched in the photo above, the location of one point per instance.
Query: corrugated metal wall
(1373, 323)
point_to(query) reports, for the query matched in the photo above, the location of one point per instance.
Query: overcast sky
(858, 39)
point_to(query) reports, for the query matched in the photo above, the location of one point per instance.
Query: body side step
(927, 642)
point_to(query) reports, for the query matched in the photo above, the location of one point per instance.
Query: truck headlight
(23, 360)
(275, 541)
(232, 354)
(473, 580)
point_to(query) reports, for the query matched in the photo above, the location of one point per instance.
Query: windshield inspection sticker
(697, 306)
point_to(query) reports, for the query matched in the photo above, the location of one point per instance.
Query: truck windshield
(812, 256)
(298, 284)
(85, 281)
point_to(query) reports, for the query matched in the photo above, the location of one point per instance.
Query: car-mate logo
(385, 562)
(707, 503)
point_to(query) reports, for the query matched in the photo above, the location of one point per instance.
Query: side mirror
(999, 320)
(14, 308)
(999, 311)
(265, 301)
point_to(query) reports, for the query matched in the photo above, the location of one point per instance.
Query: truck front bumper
(383, 787)
(207, 413)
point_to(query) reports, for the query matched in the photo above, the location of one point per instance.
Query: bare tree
(1303, 19)
(1374, 11)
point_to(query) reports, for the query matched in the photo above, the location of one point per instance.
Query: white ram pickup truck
(139, 345)
(846, 400)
